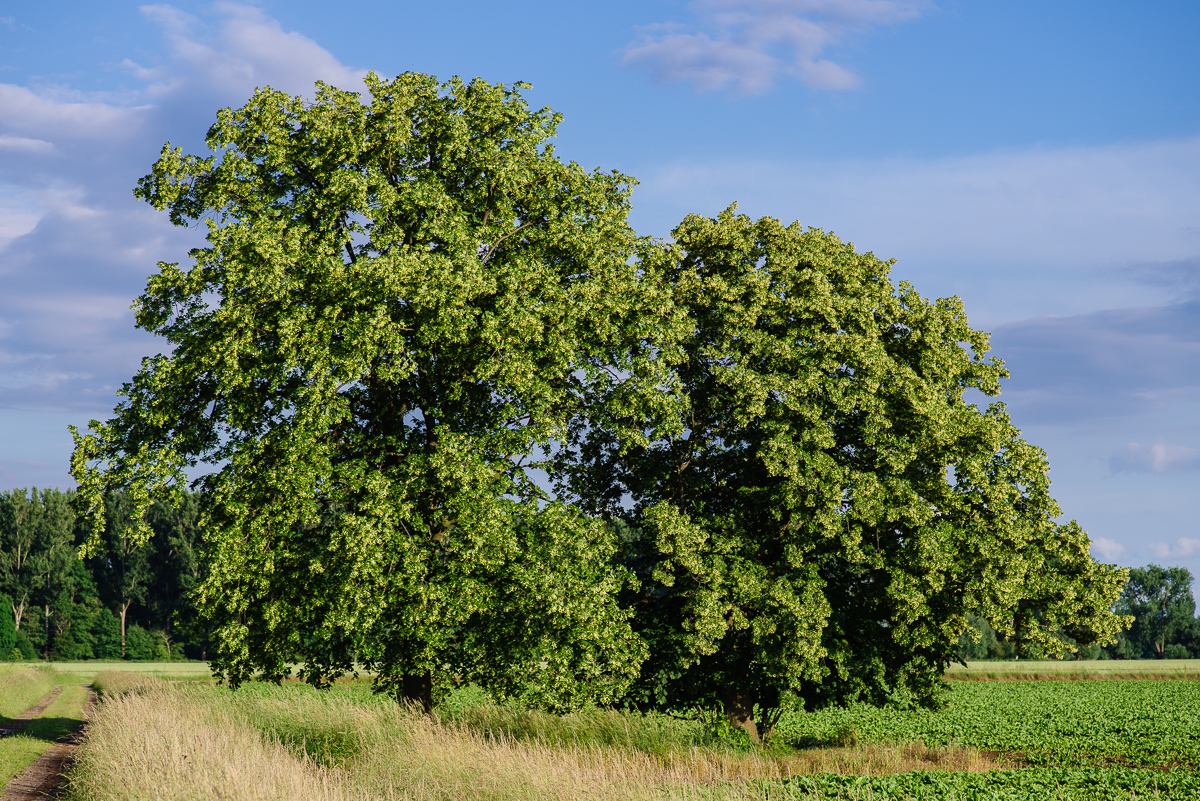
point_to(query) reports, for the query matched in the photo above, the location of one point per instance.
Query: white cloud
(250, 50)
(1157, 458)
(746, 45)
(75, 246)
(17, 217)
(1109, 549)
(1183, 548)
(23, 111)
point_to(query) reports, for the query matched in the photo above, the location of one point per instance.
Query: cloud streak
(248, 49)
(1111, 363)
(1157, 458)
(1184, 547)
(745, 46)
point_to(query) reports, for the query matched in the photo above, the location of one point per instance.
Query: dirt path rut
(45, 777)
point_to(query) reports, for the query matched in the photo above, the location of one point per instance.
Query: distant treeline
(1165, 626)
(128, 602)
(132, 602)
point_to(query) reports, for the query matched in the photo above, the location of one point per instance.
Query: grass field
(21, 688)
(85, 671)
(1099, 669)
(1014, 740)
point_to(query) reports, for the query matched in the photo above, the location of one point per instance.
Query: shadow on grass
(49, 730)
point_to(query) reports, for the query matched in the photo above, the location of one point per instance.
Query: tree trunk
(124, 609)
(19, 611)
(739, 709)
(416, 689)
(46, 633)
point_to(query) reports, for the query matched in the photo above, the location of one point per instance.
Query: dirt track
(46, 775)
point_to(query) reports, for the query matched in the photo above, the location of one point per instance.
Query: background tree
(817, 506)
(1160, 601)
(37, 557)
(395, 313)
(8, 632)
(122, 565)
(19, 515)
(176, 569)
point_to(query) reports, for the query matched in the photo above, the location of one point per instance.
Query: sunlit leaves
(400, 297)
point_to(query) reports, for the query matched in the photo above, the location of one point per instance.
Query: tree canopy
(769, 479)
(819, 506)
(397, 305)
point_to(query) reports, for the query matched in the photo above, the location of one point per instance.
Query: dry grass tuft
(114, 683)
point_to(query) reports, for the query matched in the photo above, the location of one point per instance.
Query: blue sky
(1041, 160)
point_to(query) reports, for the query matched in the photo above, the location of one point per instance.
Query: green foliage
(37, 557)
(399, 304)
(816, 505)
(1160, 602)
(107, 633)
(141, 645)
(8, 632)
(25, 649)
(772, 482)
(982, 643)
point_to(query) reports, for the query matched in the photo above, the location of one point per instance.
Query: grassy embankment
(1027, 740)
(21, 688)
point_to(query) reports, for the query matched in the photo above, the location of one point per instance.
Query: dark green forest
(126, 603)
(133, 602)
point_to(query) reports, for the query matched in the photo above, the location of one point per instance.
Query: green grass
(20, 688)
(85, 671)
(61, 717)
(17, 753)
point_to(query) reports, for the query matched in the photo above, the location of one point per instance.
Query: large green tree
(400, 301)
(816, 505)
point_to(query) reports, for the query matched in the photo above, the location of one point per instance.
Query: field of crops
(1060, 723)
(1077, 739)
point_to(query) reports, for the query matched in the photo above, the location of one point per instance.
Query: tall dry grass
(158, 745)
(113, 683)
(192, 742)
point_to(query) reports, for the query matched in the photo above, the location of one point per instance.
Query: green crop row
(1060, 723)
(1031, 784)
